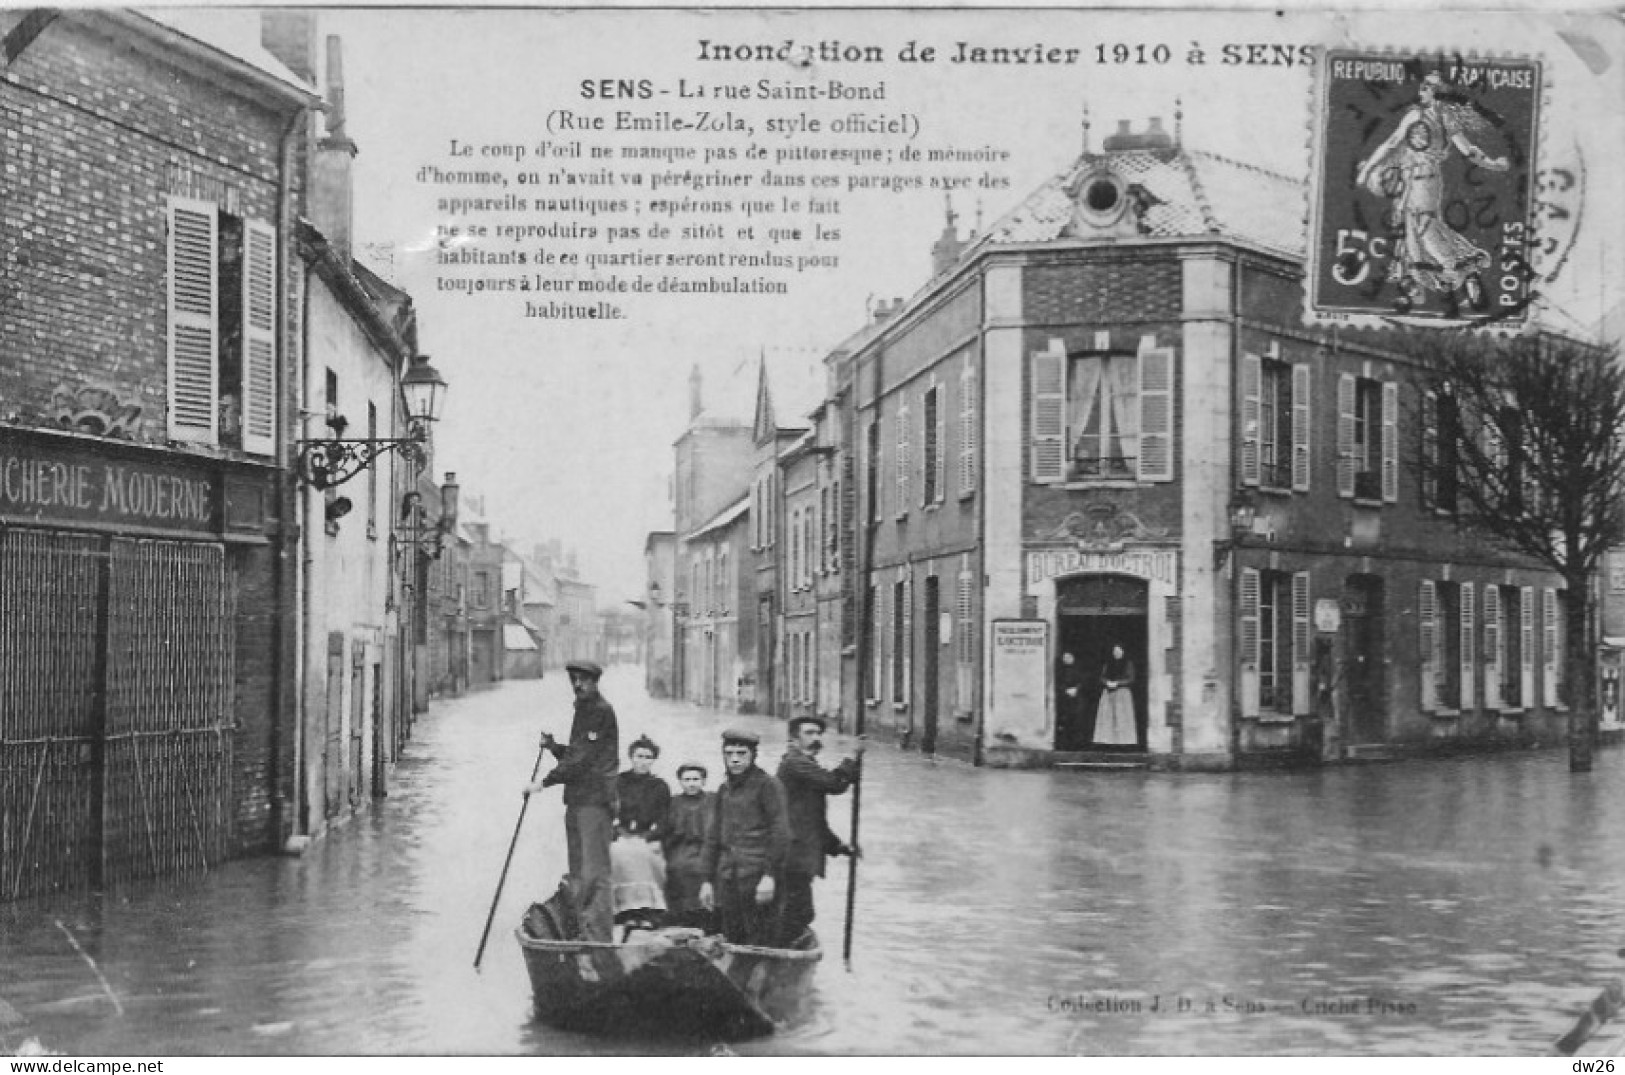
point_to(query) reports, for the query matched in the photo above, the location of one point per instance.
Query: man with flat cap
(807, 786)
(745, 846)
(587, 769)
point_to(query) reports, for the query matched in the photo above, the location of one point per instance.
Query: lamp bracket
(335, 460)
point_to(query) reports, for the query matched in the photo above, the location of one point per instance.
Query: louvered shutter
(1494, 647)
(1301, 411)
(1430, 450)
(1428, 634)
(964, 670)
(1302, 638)
(1049, 413)
(1252, 388)
(939, 458)
(194, 369)
(1345, 435)
(1249, 642)
(1390, 442)
(1526, 627)
(1549, 649)
(905, 460)
(1156, 411)
(259, 338)
(967, 429)
(1467, 655)
(908, 641)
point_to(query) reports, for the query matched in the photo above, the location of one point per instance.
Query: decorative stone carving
(1105, 526)
(96, 409)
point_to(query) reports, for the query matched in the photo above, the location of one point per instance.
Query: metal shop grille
(115, 677)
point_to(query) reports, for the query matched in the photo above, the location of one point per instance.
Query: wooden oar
(486, 934)
(852, 866)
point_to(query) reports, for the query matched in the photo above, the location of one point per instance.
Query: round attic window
(1102, 196)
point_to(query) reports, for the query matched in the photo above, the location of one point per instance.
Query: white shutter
(908, 641)
(1430, 451)
(964, 670)
(905, 459)
(194, 367)
(940, 459)
(1301, 411)
(1467, 658)
(1252, 388)
(967, 429)
(1526, 627)
(1549, 648)
(1249, 642)
(1302, 640)
(1428, 637)
(1049, 413)
(1390, 442)
(1495, 650)
(260, 284)
(1156, 411)
(1345, 435)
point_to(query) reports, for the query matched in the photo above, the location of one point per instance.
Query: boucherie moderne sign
(72, 485)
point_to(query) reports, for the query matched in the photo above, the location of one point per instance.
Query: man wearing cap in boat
(587, 768)
(745, 846)
(807, 786)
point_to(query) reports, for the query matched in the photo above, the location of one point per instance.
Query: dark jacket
(806, 787)
(683, 835)
(749, 833)
(645, 801)
(587, 766)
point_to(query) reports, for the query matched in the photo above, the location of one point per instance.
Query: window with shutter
(1346, 464)
(1526, 641)
(1302, 637)
(1390, 442)
(939, 452)
(1430, 450)
(1494, 646)
(259, 338)
(931, 430)
(1467, 654)
(905, 461)
(1049, 413)
(967, 429)
(1301, 409)
(1249, 641)
(1549, 646)
(194, 387)
(1156, 412)
(1252, 417)
(1427, 628)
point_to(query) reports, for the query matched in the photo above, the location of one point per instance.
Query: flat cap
(734, 735)
(585, 668)
(795, 723)
(691, 766)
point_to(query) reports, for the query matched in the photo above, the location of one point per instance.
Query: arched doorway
(1092, 613)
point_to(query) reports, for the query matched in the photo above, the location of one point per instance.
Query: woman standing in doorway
(1114, 719)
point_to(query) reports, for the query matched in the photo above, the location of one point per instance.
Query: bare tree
(1523, 437)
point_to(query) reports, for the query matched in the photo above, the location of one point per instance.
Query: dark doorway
(1363, 659)
(933, 640)
(1095, 612)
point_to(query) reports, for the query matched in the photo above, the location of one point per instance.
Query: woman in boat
(684, 843)
(1114, 718)
(637, 866)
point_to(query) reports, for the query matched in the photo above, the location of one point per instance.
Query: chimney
(1153, 137)
(945, 251)
(332, 185)
(694, 406)
(289, 34)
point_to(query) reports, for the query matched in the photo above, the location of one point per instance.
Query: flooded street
(1457, 907)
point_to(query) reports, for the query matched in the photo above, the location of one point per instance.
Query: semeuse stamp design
(1424, 187)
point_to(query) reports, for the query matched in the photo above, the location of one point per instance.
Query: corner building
(1104, 422)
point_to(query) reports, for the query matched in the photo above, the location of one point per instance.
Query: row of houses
(229, 579)
(1103, 422)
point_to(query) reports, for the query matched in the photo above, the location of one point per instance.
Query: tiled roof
(1193, 193)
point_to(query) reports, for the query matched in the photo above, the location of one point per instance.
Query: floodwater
(1463, 907)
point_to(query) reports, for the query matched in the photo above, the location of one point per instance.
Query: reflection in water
(1470, 906)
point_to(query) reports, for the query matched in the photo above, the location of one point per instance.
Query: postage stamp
(1425, 187)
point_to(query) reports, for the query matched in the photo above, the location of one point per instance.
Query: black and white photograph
(564, 531)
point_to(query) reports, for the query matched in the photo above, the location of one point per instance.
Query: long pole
(485, 935)
(866, 640)
(852, 867)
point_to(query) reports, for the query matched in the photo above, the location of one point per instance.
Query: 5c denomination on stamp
(1424, 187)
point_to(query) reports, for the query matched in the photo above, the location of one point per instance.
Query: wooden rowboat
(675, 981)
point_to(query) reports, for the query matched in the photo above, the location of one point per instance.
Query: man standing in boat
(587, 769)
(746, 844)
(807, 787)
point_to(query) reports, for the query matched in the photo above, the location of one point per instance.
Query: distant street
(1448, 907)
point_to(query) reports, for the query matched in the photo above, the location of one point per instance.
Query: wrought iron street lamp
(335, 460)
